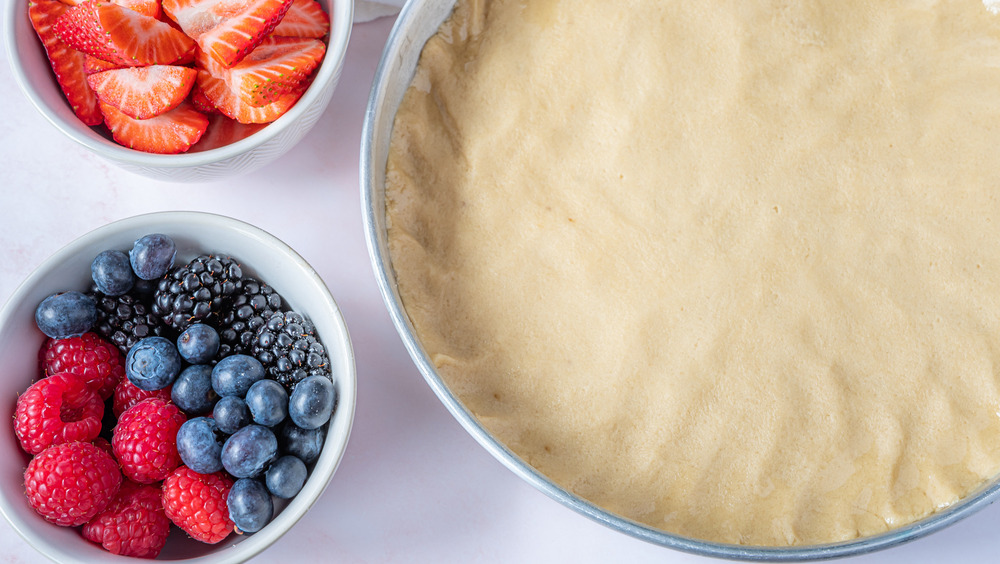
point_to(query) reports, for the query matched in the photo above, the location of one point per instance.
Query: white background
(413, 486)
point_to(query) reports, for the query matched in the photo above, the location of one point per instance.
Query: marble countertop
(413, 486)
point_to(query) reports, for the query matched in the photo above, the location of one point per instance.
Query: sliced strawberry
(119, 35)
(144, 92)
(146, 7)
(277, 66)
(227, 29)
(201, 102)
(305, 18)
(92, 64)
(172, 132)
(231, 104)
(67, 63)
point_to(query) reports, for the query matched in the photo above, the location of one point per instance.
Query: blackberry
(197, 291)
(126, 319)
(289, 350)
(251, 307)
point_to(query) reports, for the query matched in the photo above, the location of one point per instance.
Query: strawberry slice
(229, 102)
(305, 18)
(92, 64)
(67, 63)
(201, 102)
(119, 35)
(146, 7)
(143, 92)
(277, 66)
(172, 132)
(227, 29)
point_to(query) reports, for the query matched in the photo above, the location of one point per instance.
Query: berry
(231, 414)
(126, 395)
(197, 504)
(169, 133)
(143, 92)
(305, 18)
(277, 66)
(268, 403)
(125, 320)
(234, 375)
(311, 403)
(153, 363)
(198, 344)
(197, 291)
(112, 273)
(192, 391)
(288, 348)
(229, 102)
(247, 452)
(99, 362)
(134, 524)
(152, 256)
(59, 409)
(252, 306)
(250, 505)
(305, 444)
(67, 314)
(68, 64)
(286, 477)
(68, 484)
(226, 30)
(145, 440)
(119, 35)
(199, 445)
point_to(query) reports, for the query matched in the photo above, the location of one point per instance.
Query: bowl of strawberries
(179, 386)
(180, 90)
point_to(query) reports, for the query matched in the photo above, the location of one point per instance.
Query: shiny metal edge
(416, 23)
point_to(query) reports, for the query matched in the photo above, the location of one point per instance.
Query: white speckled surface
(413, 486)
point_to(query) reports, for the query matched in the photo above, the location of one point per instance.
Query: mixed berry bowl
(266, 273)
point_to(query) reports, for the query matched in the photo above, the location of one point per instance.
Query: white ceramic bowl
(34, 75)
(261, 255)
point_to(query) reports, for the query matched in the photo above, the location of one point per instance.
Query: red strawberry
(119, 35)
(305, 18)
(143, 92)
(67, 63)
(172, 132)
(231, 104)
(277, 66)
(92, 64)
(68, 484)
(197, 503)
(147, 7)
(134, 524)
(201, 102)
(227, 30)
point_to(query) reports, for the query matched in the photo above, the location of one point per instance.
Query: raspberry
(128, 394)
(145, 440)
(197, 504)
(69, 483)
(134, 524)
(57, 409)
(87, 355)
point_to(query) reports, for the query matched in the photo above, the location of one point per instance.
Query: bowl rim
(372, 186)
(341, 23)
(334, 446)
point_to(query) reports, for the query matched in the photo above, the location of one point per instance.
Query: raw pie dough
(729, 268)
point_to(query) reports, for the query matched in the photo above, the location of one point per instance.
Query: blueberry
(250, 505)
(67, 314)
(192, 391)
(305, 444)
(286, 476)
(268, 402)
(199, 445)
(248, 451)
(152, 256)
(231, 414)
(311, 403)
(112, 273)
(234, 375)
(199, 343)
(153, 363)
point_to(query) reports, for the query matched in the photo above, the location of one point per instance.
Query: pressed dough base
(731, 268)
